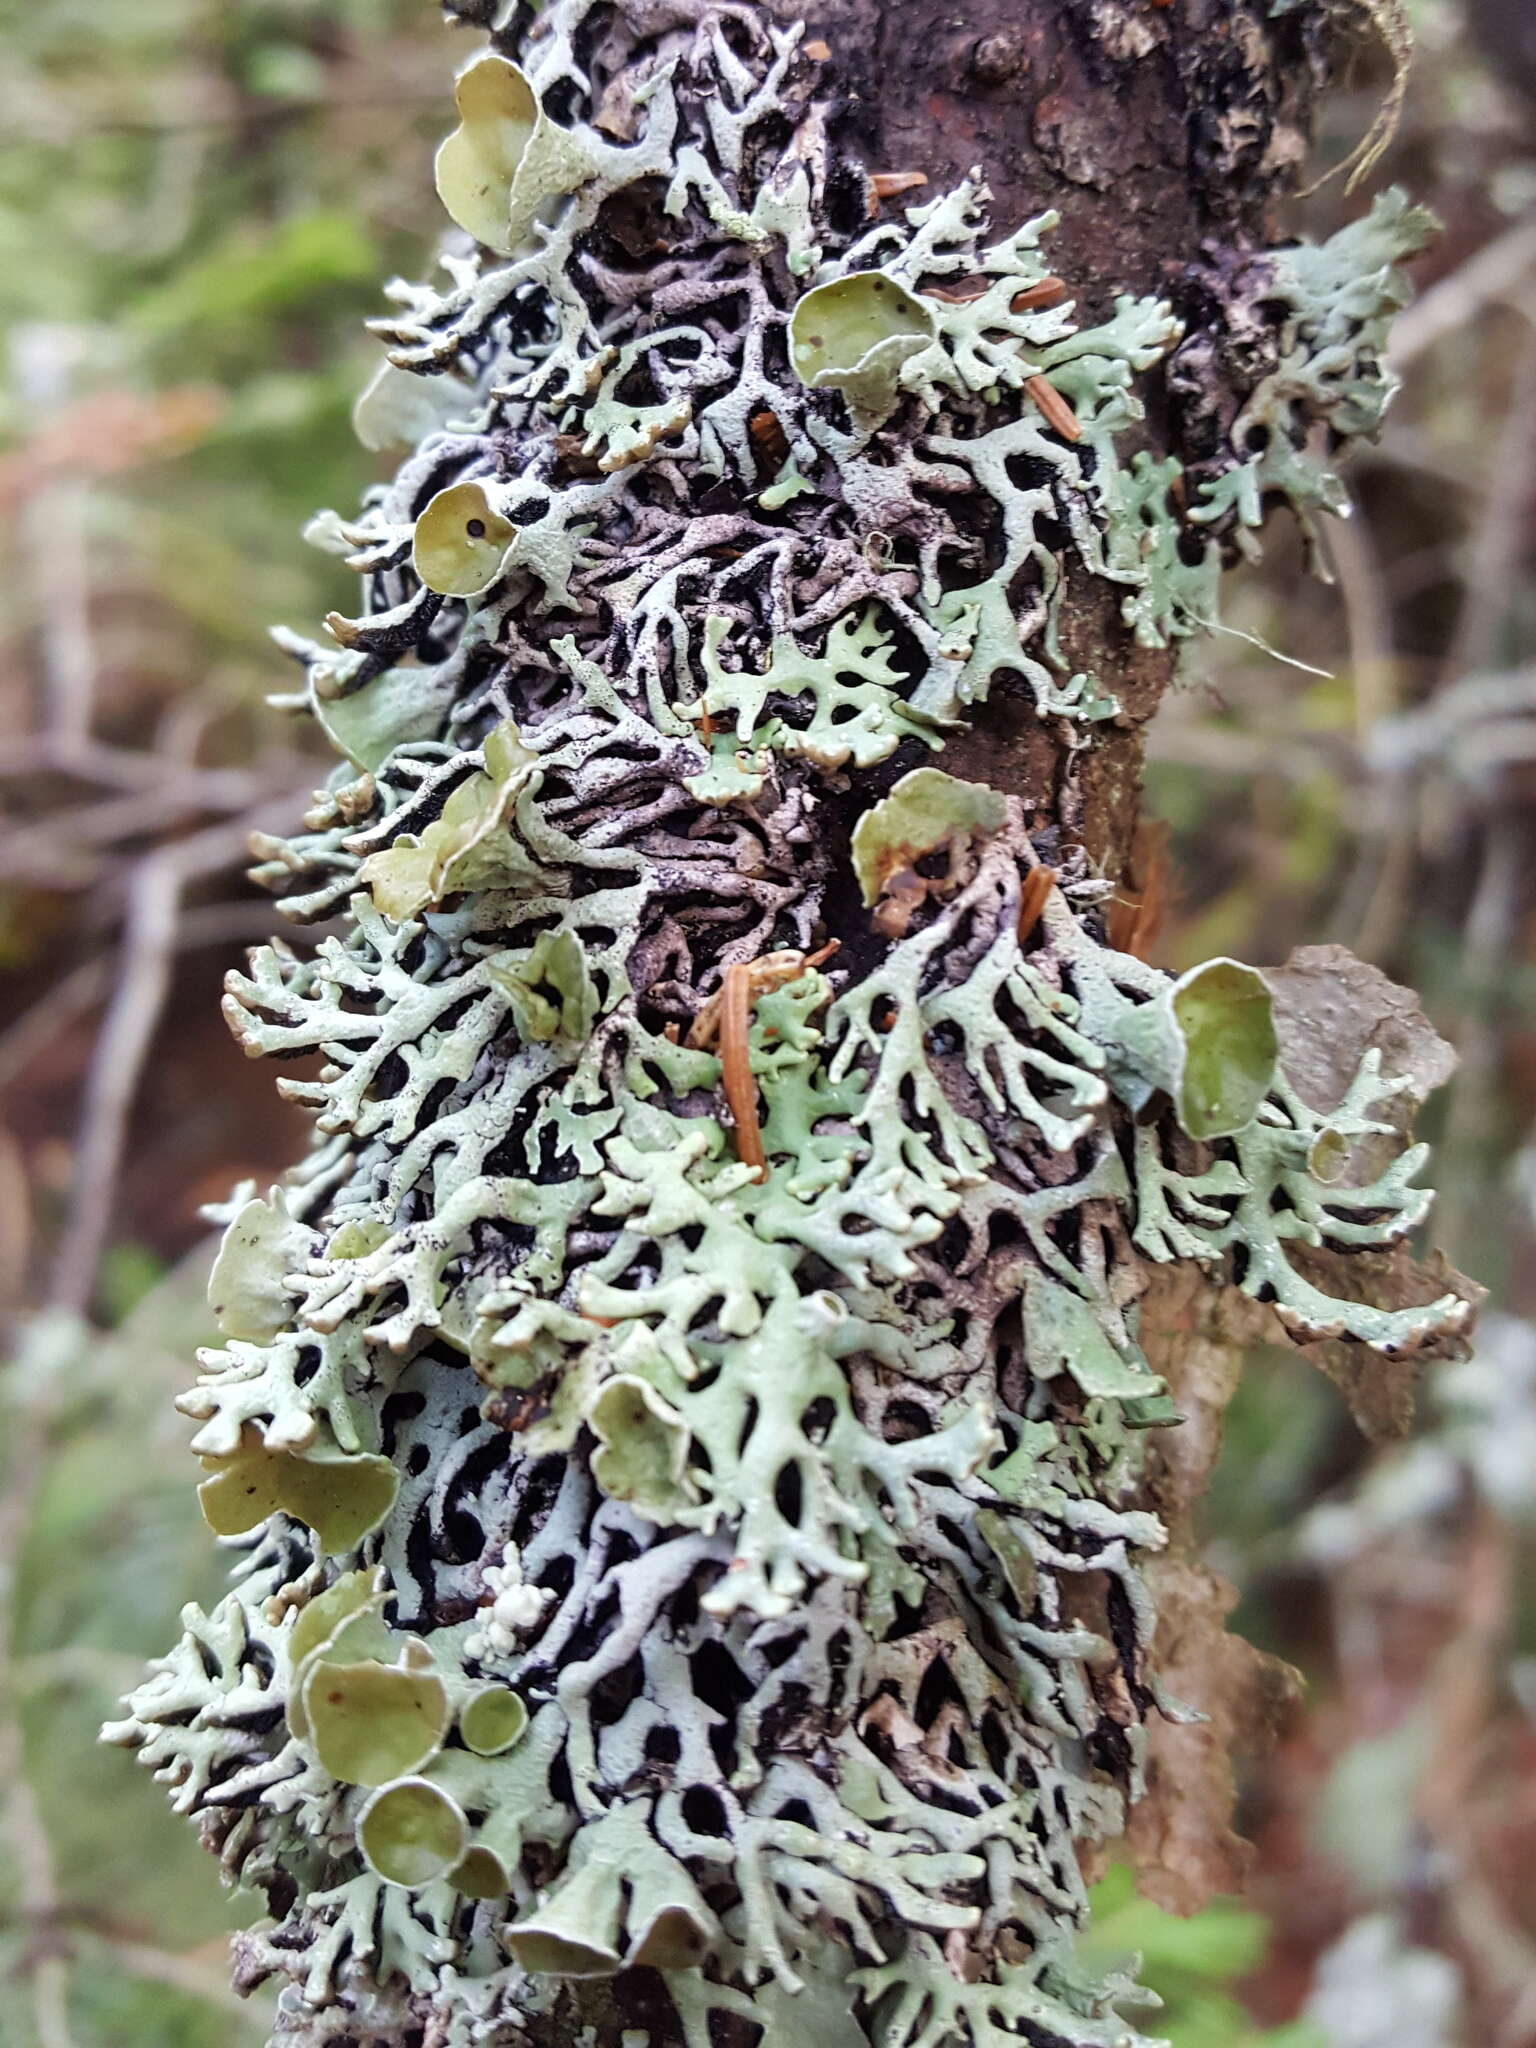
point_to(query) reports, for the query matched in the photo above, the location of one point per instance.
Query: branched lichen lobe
(683, 1417)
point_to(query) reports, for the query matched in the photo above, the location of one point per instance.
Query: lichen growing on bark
(682, 1419)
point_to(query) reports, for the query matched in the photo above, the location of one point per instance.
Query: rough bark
(1164, 136)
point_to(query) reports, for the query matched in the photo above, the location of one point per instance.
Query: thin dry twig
(1487, 947)
(1367, 622)
(47, 1965)
(213, 924)
(143, 981)
(181, 1973)
(43, 849)
(1370, 904)
(1499, 541)
(1499, 270)
(149, 938)
(55, 525)
(1376, 902)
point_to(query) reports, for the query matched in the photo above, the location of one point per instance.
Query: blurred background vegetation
(198, 202)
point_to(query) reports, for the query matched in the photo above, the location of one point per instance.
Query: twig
(270, 113)
(171, 802)
(162, 1966)
(1375, 903)
(149, 938)
(1367, 622)
(1500, 534)
(215, 924)
(1496, 272)
(125, 768)
(54, 530)
(1486, 950)
(55, 525)
(111, 1671)
(15, 1218)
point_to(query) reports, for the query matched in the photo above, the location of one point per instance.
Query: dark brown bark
(1152, 130)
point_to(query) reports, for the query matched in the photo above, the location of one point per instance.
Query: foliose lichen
(681, 1420)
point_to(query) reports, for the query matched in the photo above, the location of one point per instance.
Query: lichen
(1283, 364)
(681, 1423)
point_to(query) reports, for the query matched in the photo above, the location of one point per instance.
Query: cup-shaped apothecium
(461, 541)
(411, 1833)
(369, 1722)
(854, 334)
(506, 160)
(492, 1719)
(625, 1902)
(1208, 1041)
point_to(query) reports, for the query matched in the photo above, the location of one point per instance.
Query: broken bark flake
(1331, 1009)
(1180, 1836)
(1379, 1391)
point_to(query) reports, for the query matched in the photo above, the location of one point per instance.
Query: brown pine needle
(1050, 291)
(1037, 886)
(725, 1021)
(1057, 412)
(767, 431)
(736, 1066)
(887, 184)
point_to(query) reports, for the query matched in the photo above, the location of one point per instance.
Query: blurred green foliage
(199, 200)
(1192, 1965)
(205, 196)
(114, 1546)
